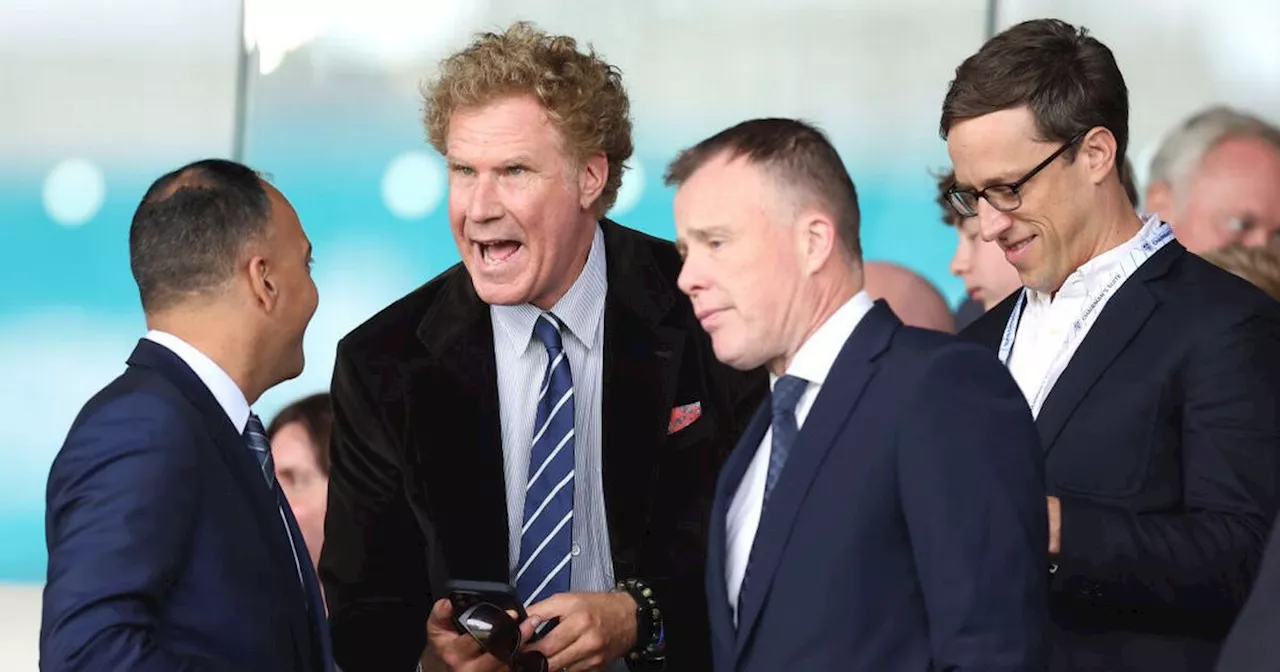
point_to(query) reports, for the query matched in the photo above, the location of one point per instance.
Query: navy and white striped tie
(256, 437)
(546, 539)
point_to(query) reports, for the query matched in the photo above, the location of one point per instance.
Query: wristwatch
(649, 653)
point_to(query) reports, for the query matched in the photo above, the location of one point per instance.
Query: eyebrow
(1006, 177)
(709, 232)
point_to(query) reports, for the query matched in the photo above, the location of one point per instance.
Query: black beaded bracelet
(651, 641)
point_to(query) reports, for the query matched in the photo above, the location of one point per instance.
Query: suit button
(1053, 568)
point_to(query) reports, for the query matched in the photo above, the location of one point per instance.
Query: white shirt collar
(1085, 279)
(580, 309)
(816, 356)
(220, 384)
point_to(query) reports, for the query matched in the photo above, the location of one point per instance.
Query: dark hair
(190, 229)
(1068, 79)
(315, 414)
(794, 152)
(945, 181)
(1126, 180)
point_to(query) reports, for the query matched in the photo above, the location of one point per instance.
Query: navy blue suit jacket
(166, 549)
(1161, 439)
(908, 528)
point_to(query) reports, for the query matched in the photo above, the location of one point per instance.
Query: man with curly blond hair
(547, 414)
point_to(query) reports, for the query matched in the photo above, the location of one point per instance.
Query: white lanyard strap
(1154, 239)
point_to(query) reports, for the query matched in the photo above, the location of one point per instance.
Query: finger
(564, 634)
(441, 615)
(582, 654)
(527, 626)
(557, 605)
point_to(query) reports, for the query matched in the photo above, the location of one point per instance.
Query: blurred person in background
(911, 296)
(171, 545)
(1146, 367)
(1258, 265)
(299, 436)
(547, 413)
(1216, 180)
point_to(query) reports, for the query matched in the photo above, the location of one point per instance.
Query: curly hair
(581, 93)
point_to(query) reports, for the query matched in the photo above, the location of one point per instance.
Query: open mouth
(498, 252)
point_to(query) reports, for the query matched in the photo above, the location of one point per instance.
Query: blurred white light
(633, 183)
(413, 185)
(385, 30)
(74, 191)
(276, 27)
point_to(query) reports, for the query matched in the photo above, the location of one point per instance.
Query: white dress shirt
(228, 394)
(521, 363)
(1041, 347)
(812, 362)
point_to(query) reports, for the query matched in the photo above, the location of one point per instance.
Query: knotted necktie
(546, 539)
(256, 437)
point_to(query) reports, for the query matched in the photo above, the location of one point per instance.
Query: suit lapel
(717, 552)
(315, 601)
(848, 377)
(460, 419)
(640, 370)
(1117, 324)
(246, 474)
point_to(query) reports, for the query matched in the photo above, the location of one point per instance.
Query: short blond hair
(581, 93)
(1258, 265)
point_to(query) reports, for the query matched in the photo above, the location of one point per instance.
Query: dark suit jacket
(907, 528)
(166, 549)
(1254, 642)
(1161, 440)
(417, 494)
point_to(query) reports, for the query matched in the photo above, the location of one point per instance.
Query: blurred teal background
(323, 95)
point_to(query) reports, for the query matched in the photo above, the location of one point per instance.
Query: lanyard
(1152, 240)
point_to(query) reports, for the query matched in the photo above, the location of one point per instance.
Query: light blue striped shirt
(522, 361)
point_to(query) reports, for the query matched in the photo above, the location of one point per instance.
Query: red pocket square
(683, 416)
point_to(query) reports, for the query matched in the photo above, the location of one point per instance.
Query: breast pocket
(1106, 448)
(689, 425)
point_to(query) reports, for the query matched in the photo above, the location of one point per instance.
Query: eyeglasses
(499, 635)
(1002, 197)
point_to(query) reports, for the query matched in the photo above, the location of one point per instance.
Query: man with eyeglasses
(1154, 377)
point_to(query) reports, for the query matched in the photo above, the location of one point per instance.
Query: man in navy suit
(170, 544)
(883, 510)
(1154, 376)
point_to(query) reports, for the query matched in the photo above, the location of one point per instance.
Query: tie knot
(786, 392)
(255, 434)
(547, 329)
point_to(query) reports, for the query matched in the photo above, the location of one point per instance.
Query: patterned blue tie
(546, 539)
(786, 393)
(256, 437)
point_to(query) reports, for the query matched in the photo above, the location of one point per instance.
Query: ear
(818, 240)
(1160, 200)
(262, 284)
(591, 178)
(1098, 151)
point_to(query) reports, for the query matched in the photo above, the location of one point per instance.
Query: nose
(991, 222)
(691, 279)
(960, 260)
(484, 204)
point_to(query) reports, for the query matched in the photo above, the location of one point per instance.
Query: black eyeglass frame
(955, 197)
